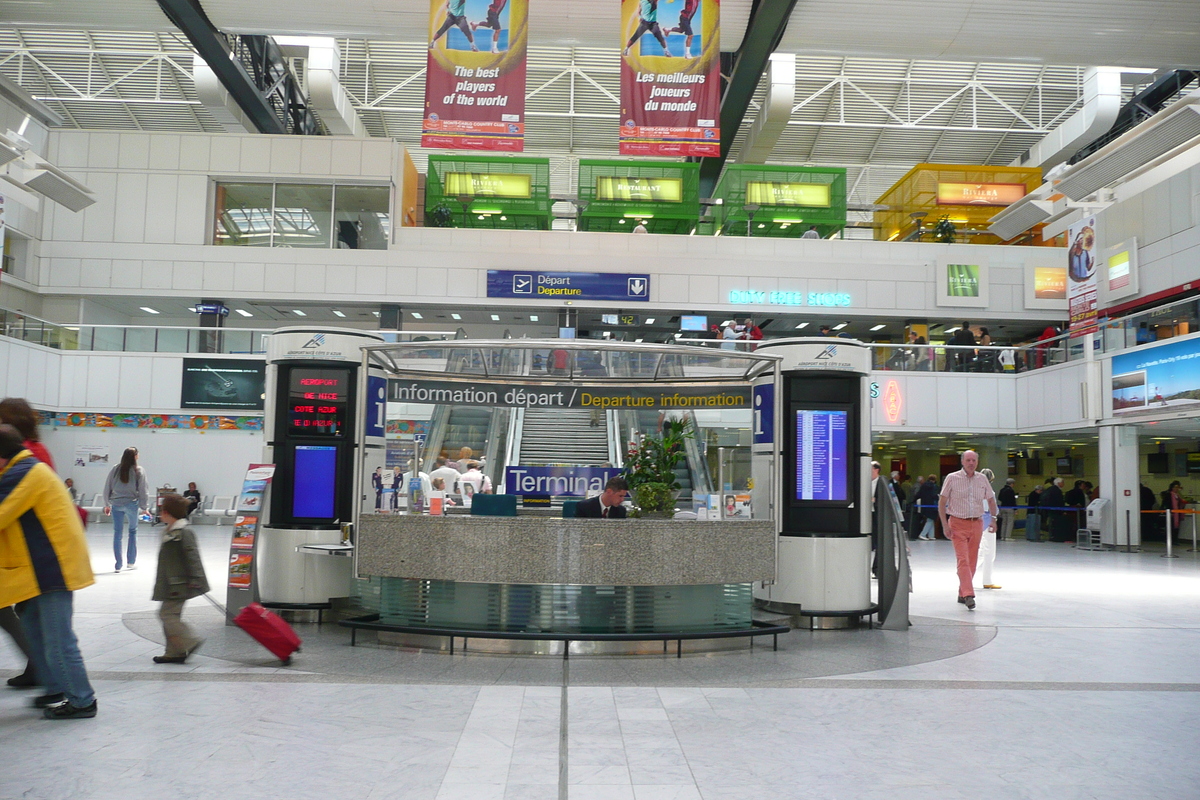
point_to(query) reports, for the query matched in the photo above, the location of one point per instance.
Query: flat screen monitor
(318, 399)
(1064, 466)
(693, 322)
(1033, 466)
(314, 482)
(223, 383)
(1158, 463)
(823, 455)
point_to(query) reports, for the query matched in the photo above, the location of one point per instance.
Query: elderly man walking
(965, 495)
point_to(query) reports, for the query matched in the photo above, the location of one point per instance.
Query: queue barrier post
(1170, 536)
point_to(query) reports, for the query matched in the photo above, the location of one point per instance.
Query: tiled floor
(1079, 679)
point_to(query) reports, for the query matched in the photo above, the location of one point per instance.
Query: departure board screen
(318, 401)
(822, 455)
(314, 493)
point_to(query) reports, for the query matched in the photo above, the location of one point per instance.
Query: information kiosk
(818, 424)
(314, 385)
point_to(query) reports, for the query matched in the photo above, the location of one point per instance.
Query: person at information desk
(1007, 498)
(473, 482)
(1076, 497)
(607, 504)
(447, 473)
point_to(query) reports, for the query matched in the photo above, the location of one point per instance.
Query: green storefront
(779, 201)
(615, 196)
(488, 192)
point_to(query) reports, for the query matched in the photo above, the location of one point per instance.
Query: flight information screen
(822, 455)
(317, 402)
(314, 493)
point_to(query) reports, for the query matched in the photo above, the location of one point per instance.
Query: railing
(158, 339)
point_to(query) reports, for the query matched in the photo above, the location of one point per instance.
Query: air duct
(326, 96)
(217, 99)
(1101, 105)
(776, 110)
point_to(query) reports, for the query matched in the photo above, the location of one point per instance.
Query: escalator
(563, 436)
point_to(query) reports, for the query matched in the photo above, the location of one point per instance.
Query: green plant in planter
(650, 468)
(944, 231)
(440, 216)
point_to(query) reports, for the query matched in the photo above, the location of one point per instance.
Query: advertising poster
(91, 455)
(1164, 377)
(962, 280)
(1081, 276)
(1050, 283)
(223, 383)
(475, 78)
(244, 530)
(670, 78)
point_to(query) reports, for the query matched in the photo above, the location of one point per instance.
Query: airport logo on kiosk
(828, 352)
(315, 342)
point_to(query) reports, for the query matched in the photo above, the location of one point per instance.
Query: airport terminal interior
(583, 385)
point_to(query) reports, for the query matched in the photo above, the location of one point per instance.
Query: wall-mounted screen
(1063, 465)
(692, 322)
(487, 184)
(317, 401)
(822, 455)
(770, 193)
(1158, 463)
(223, 383)
(1033, 466)
(314, 482)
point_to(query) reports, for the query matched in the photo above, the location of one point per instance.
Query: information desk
(564, 575)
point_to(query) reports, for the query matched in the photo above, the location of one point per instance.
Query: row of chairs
(219, 508)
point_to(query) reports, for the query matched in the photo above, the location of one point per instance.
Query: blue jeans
(53, 647)
(119, 514)
(928, 532)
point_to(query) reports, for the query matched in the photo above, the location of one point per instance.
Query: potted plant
(944, 231)
(650, 469)
(440, 216)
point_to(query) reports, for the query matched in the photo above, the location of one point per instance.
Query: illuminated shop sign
(893, 402)
(822, 299)
(486, 184)
(769, 193)
(979, 194)
(1050, 283)
(658, 190)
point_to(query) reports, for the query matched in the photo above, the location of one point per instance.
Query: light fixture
(621, 222)
(533, 317)
(337, 313)
(417, 315)
(679, 336)
(376, 313)
(650, 321)
(244, 312)
(950, 330)
(641, 217)
(762, 225)
(878, 328)
(503, 218)
(495, 317)
(840, 325)
(148, 310)
(456, 316)
(802, 326)
(299, 313)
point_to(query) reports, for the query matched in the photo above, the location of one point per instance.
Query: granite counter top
(635, 552)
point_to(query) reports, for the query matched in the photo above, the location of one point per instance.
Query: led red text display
(317, 402)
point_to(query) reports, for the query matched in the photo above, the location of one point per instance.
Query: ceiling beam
(190, 18)
(768, 19)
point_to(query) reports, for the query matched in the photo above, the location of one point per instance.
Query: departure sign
(317, 400)
(822, 457)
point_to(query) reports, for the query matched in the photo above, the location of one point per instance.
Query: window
(302, 215)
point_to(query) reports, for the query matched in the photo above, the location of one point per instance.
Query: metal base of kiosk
(287, 573)
(822, 577)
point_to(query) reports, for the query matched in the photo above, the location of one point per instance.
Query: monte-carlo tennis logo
(315, 343)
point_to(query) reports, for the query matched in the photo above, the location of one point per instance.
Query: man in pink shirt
(966, 494)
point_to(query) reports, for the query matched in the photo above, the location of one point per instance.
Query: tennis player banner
(475, 79)
(670, 77)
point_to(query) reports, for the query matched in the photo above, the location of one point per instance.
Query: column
(1119, 483)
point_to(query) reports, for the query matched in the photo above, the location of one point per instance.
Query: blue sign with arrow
(518, 285)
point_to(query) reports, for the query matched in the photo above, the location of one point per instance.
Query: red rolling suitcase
(269, 630)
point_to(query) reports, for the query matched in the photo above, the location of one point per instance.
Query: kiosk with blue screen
(822, 455)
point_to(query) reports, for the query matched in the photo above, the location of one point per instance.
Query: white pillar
(1120, 483)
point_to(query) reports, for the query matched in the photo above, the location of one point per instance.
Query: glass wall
(302, 215)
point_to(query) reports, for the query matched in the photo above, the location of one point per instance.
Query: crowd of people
(459, 479)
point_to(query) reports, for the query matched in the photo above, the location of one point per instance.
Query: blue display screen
(822, 457)
(315, 479)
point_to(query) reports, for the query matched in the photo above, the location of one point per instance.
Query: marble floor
(1080, 679)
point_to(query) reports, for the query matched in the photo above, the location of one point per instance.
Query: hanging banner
(1081, 276)
(475, 77)
(670, 78)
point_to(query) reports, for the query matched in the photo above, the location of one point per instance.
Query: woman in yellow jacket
(43, 560)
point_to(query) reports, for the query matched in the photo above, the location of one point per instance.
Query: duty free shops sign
(820, 299)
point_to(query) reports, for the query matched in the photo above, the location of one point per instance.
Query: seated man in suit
(608, 503)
